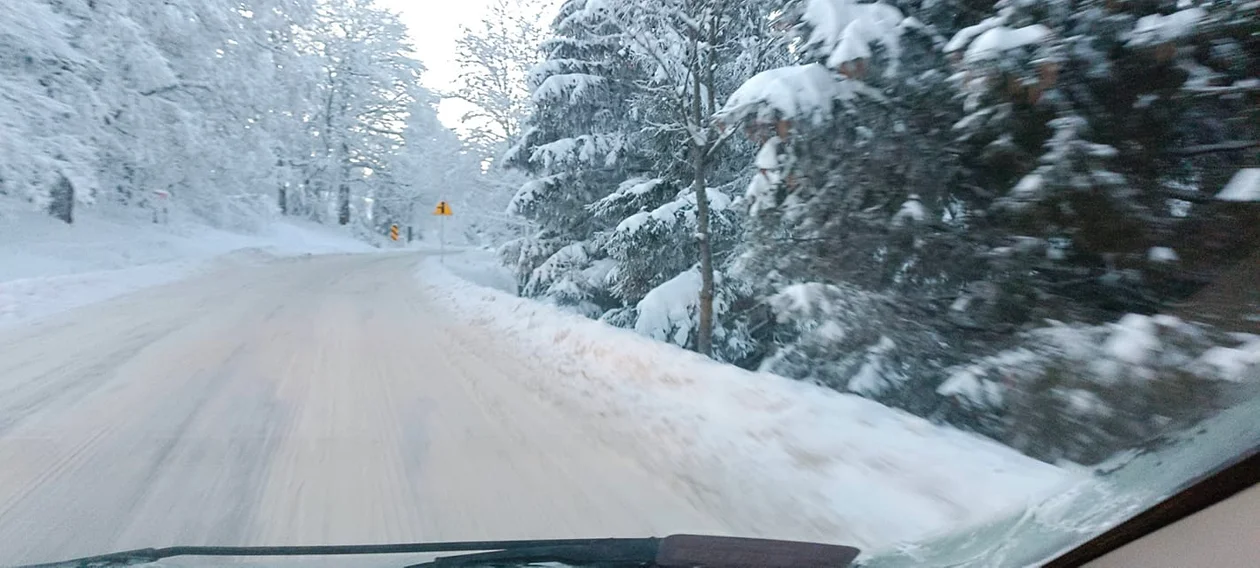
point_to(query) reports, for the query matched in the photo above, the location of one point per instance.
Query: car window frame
(1217, 485)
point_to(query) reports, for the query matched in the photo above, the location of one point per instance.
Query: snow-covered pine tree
(700, 51)
(1097, 126)
(855, 225)
(581, 144)
(1102, 129)
(624, 104)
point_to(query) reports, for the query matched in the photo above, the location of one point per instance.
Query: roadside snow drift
(47, 266)
(775, 457)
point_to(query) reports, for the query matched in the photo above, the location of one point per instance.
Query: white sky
(434, 26)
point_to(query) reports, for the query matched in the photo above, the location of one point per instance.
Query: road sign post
(393, 232)
(442, 210)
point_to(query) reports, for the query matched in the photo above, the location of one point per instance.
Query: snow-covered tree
(369, 82)
(628, 159)
(579, 146)
(434, 165)
(1081, 134)
(698, 51)
(495, 59)
(921, 183)
(1096, 124)
(158, 97)
(852, 201)
(230, 108)
(46, 139)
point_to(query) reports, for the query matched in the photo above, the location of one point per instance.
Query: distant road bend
(308, 401)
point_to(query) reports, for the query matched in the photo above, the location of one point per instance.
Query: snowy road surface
(312, 400)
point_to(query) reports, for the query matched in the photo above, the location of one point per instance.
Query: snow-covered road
(338, 399)
(311, 400)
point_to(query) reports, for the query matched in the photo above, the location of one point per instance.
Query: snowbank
(480, 266)
(47, 266)
(775, 457)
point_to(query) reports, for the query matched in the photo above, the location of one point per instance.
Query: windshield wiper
(611, 552)
(676, 551)
(147, 555)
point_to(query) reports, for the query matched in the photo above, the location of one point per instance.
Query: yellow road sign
(443, 208)
(393, 232)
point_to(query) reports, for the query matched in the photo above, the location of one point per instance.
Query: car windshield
(954, 283)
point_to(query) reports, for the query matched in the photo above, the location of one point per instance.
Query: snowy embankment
(479, 266)
(47, 266)
(775, 457)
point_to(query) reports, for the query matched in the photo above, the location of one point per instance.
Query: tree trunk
(343, 203)
(704, 335)
(61, 200)
(343, 189)
(699, 161)
(282, 200)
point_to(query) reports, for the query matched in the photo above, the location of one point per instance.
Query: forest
(1032, 219)
(229, 109)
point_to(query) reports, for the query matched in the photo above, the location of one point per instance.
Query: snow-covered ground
(479, 266)
(820, 464)
(47, 266)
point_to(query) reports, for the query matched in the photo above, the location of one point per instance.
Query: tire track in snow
(308, 401)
